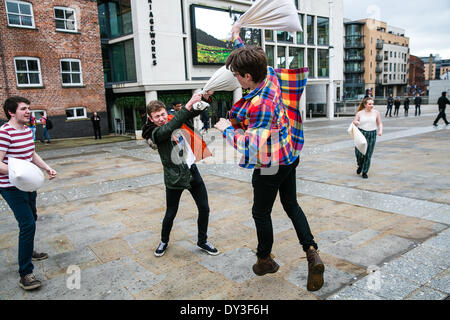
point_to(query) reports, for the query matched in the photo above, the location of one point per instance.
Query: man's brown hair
(154, 106)
(248, 59)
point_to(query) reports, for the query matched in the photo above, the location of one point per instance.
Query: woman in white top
(368, 120)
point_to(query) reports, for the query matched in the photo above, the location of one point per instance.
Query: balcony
(378, 70)
(379, 58)
(378, 81)
(380, 46)
(354, 58)
(354, 70)
(354, 45)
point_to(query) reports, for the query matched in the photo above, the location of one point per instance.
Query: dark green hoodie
(176, 174)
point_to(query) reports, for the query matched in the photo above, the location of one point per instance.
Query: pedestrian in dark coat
(442, 103)
(96, 125)
(406, 103)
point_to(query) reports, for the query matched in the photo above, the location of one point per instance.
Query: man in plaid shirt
(266, 127)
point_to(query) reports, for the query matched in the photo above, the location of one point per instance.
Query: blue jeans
(23, 205)
(265, 190)
(46, 135)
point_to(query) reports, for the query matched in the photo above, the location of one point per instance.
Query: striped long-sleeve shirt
(17, 144)
(266, 123)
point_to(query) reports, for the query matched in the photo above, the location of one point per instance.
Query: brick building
(416, 80)
(50, 53)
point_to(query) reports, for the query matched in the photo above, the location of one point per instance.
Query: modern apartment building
(435, 67)
(168, 50)
(376, 59)
(50, 54)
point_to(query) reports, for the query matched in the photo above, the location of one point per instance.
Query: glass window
(102, 19)
(296, 58)
(270, 56)
(20, 14)
(311, 63)
(28, 72)
(281, 57)
(76, 113)
(106, 64)
(310, 29)
(120, 22)
(65, 19)
(268, 34)
(323, 26)
(283, 36)
(71, 72)
(323, 64)
(300, 35)
(123, 61)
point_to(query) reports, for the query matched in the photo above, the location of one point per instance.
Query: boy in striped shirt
(266, 127)
(16, 141)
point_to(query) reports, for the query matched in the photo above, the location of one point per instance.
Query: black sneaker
(39, 256)
(209, 248)
(29, 282)
(161, 249)
(365, 176)
(359, 170)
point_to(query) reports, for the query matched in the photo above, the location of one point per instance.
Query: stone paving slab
(385, 238)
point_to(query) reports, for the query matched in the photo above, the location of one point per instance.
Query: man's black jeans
(265, 189)
(200, 195)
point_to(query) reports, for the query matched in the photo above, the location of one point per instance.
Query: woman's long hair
(363, 103)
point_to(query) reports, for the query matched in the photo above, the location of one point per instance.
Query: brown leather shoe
(316, 269)
(266, 265)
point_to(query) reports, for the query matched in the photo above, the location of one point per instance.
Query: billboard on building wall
(210, 28)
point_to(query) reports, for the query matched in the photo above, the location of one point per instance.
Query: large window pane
(311, 63)
(281, 59)
(268, 34)
(115, 23)
(130, 60)
(33, 65)
(21, 65)
(26, 21)
(13, 19)
(102, 20)
(296, 58)
(270, 55)
(323, 31)
(126, 16)
(283, 36)
(22, 78)
(300, 35)
(323, 65)
(310, 29)
(106, 64)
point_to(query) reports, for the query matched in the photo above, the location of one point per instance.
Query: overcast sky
(426, 22)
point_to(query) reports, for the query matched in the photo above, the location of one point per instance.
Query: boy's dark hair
(248, 59)
(175, 103)
(12, 103)
(154, 106)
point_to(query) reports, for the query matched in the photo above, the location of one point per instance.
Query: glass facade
(323, 31)
(114, 18)
(323, 64)
(270, 55)
(311, 63)
(310, 29)
(296, 58)
(281, 57)
(300, 35)
(123, 63)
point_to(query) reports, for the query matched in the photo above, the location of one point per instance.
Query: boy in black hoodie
(180, 172)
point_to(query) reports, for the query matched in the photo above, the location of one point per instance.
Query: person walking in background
(16, 142)
(442, 104)
(96, 125)
(406, 106)
(418, 103)
(367, 119)
(390, 103)
(204, 116)
(176, 106)
(45, 134)
(32, 125)
(397, 104)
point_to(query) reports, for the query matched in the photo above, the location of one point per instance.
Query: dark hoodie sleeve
(147, 130)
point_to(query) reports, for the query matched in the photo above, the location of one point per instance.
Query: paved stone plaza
(383, 238)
